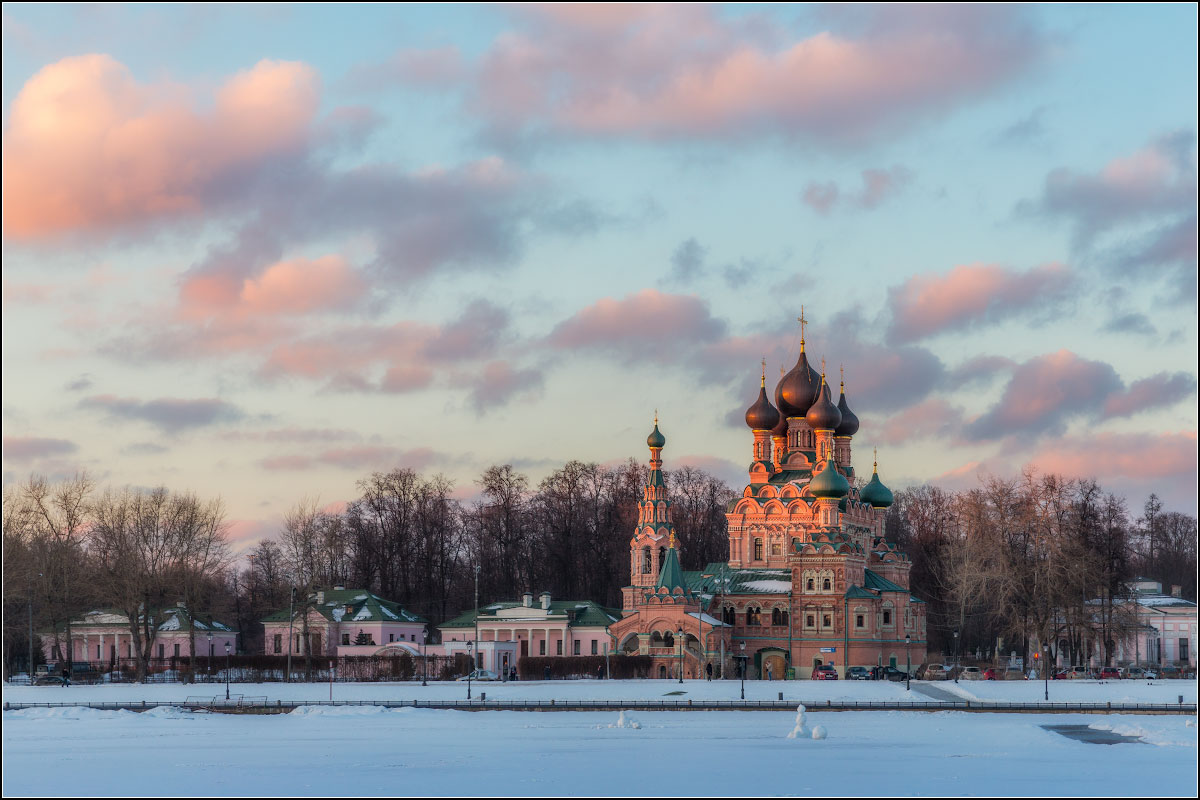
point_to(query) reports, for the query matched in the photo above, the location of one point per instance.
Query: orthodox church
(810, 579)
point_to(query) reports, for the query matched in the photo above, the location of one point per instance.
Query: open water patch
(1085, 733)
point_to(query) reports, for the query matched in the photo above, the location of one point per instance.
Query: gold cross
(802, 322)
(764, 371)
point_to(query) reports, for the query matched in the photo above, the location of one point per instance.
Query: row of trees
(1011, 560)
(1038, 557)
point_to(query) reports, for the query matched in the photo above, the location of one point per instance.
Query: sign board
(828, 649)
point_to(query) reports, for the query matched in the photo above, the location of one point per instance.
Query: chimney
(545, 596)
(1176, 591)
(320, 596)
(527, 599)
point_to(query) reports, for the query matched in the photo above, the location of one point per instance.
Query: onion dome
(849, 425)
(875, 493)
(781, 427)
(799, 388)
(823, 415)
(829, 482)
(762, 416)
(656, 439)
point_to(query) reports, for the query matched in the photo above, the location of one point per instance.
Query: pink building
(342, 622)
(510, 630)
(103, 636)
(1163, 628)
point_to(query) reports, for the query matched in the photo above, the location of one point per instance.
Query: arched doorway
(772, 663)
(662, 671)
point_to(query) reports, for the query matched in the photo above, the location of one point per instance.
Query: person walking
(66, 675)
(769, 672)
(708, 670)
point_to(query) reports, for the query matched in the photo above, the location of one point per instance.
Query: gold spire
(802, 322)
(656, 417)
(842, 368)
(764, 373)
(822, 368)
(672, 540)
(875, 466)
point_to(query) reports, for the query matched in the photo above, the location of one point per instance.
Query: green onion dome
(829, 482)
(799, 388)
(875, 493)
(849, 424)
(656, 439)
(823, 415)
(762, 416)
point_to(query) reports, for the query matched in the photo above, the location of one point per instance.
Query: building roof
(175, 618)
(873, 580)
(578, 613)
(354, 605)
(741, 580)
(856, 592)
(670, 576)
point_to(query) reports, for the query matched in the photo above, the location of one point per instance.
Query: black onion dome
(798, 389)
(781, 427)
(849, 425)
(823, 415)
(762, 416)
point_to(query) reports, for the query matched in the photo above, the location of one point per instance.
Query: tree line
(1010, 561)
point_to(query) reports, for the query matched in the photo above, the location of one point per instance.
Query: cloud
(684, 71)
(1132, 322)
(687, 262)
(169, 414)
(877, 186)
(931, 418)
(1157, 391)
(980, 370)
(88, 147)
(1158, 180)
(296, 287)
(358, 457)
(24, 449)
(79, 384)
(436, 67)
(640, 326)
(290, 435)
(973, 295)
(821, 197)
(499, 382)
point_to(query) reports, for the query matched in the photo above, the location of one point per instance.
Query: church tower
(655, 533)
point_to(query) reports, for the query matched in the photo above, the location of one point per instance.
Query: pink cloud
(972, 295)
(879, 184)
(296, 287)
(88, 147)
(23, 449)
(676, 70)
(931, 418)
(821, 197)
(499, 382)
(639, 326)
(1157, 391)
(1109, 456)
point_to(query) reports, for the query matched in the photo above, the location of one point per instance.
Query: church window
(776, 549)
(887, 618)
(668, 639)
(758, 549)
(811, 584)
(826, 586)
(827, 621)
(646, 560)
(752, 616)
(727, 615)
(858, 621)
(779, 616)
(811, 620)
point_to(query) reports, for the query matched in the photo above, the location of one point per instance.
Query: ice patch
(338, 711)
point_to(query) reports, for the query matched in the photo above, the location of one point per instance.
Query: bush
(533, 668)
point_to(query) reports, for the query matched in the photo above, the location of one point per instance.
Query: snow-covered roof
(707, 620)
(770, 586)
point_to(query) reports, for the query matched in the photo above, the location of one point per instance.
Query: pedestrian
(708, 670)
(546, 672)
(66, 675)
(512, 673)
(769, 672)
(600, 672)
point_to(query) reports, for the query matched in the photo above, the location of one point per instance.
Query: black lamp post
(424, 656)
(956, 656)
(210, 652)
(471, 656)
(1046, 674)
(680, 635)
(742, 668)
(907, 662)
(226, 670)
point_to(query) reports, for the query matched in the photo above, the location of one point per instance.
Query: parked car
(971, 674)
(1110, 674)
(481, 675)
(1133, 672)
(19, 679)
(858, 674)
(937, 672)
(992, 674)
(892, 674)
(824, 672)
(1150, 673)
(1169, 671)
(1081, 673)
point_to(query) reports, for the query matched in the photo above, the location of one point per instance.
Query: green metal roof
(856, 592)
(583, 614)
(873, 580)
(740, 580)
(354, 605)
(670, 576)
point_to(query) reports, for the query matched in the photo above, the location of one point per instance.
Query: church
(810, 578)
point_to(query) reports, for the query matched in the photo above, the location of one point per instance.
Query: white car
(971, 674)
(481, 675)
(937, 672)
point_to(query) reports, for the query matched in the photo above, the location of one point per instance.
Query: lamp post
(476, 618)
(210, 652)
(291, 620)
(471, 658)
(424, 656)
(679, 640)
(742, 668)
(1046, 674)
(956, 656)
(226, 670)
(907, 662)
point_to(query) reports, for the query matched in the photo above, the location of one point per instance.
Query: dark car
(892, 674)
(824, 672)
(858, 674)
(1110, 674)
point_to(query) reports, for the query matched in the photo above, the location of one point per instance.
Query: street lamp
(226, 670)
(907, 662)
(680, 635)
(742, 669)
(1046, 674)
(291, 620)
(424, 655)
(210, 652)
(471, 658)
(956, 656)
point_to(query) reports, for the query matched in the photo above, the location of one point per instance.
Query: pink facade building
(810, 578)
(342, 622)
(103, 637)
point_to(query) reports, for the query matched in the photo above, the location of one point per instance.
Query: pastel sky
(261, 251)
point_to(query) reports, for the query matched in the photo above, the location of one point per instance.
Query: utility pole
(291, 620)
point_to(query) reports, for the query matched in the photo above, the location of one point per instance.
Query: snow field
(356, 751)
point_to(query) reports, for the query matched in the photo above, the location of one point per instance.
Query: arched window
(662, 556)
(826, 586)
(779, 616)
(727, 615)
(752, 616)
(646, 560)
(758, 551)
(668, 639)
(812, 585)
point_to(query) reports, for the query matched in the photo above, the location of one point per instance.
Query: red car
(825, 672)
(992, 674)
(1110, 673)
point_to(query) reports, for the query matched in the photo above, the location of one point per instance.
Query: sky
(259, 252)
